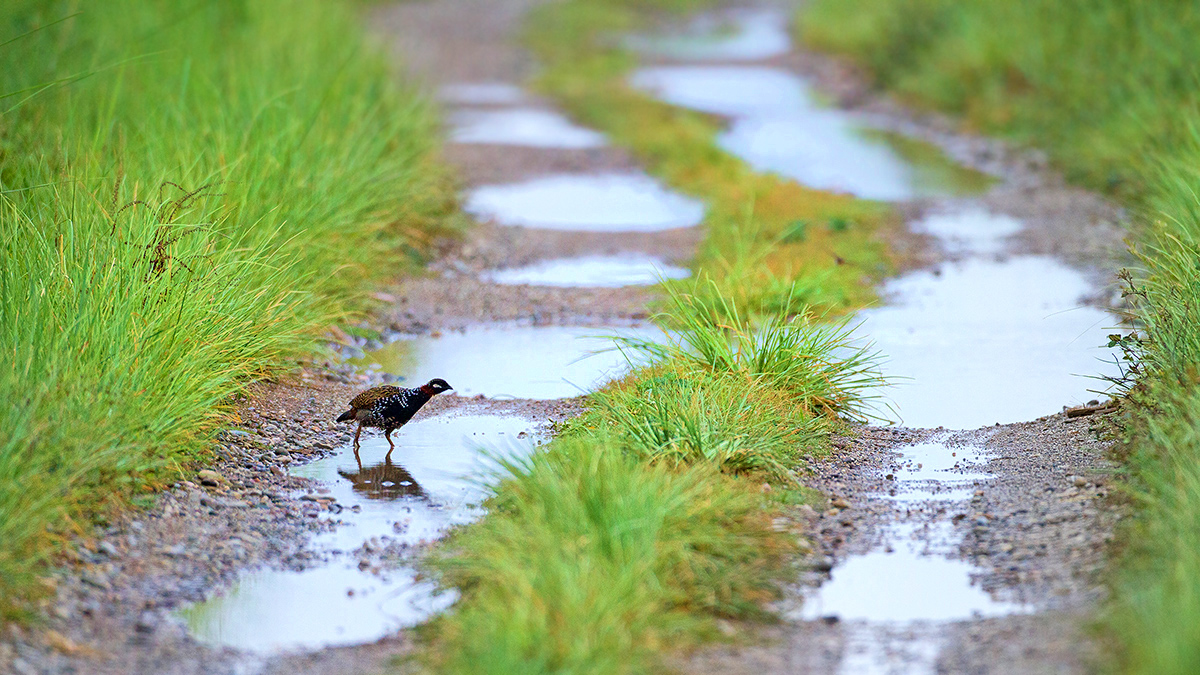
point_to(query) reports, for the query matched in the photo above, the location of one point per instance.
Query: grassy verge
(188, 193)
(768, 240)
(1108, 88)
(645, 521)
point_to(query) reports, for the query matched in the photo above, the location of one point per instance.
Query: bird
(389, 408)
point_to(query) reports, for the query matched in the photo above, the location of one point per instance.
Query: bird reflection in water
(383, 481)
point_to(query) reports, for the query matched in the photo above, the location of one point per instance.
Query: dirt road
(939, 551)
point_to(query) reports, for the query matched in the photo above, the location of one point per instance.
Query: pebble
(211, 478)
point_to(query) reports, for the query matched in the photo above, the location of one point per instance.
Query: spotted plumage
(389, 408)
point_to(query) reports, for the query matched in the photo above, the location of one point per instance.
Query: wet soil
(1035, 532)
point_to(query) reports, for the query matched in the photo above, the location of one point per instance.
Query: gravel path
(1036, 532)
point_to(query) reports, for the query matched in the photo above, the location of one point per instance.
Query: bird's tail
(346, 416)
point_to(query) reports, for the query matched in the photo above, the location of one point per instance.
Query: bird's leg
(391, 446)
(356, 433)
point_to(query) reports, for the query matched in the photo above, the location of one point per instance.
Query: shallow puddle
(745, 35)
(595, 203)
(904, 585)
(591, 272)
(913, 580)
(988, 340)
(432, 482)
(482, 93)
(778, 126)
(529, 127)
(535, 362)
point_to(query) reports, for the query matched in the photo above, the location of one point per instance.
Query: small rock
(59, 642)
(96, 580)
(146, 623)
(211, 478)
(839, 503)
(1079, 482)
(108, 549)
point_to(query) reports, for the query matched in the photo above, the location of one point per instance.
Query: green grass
(1110, 90)
(644, 521)
(592, 561)
(189, 192)
(750, 249)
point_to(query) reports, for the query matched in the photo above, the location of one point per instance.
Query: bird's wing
(366, 398)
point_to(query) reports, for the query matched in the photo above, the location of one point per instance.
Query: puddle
(988, 339)
(535, 362)
(591, 272)
(482, 93)
(747, 35)
(913, 580)
(522, 126)
(903, 586)
(778, 126)
(431, 484)
(595, 203)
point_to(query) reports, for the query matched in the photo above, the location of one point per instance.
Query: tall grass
(188, 192)
(1100, 84)
(592, 561)
(825, 371)
(1110, 89)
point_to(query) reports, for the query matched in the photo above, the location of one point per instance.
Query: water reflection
(383, 481)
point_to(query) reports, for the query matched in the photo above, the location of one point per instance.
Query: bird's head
(436, 386)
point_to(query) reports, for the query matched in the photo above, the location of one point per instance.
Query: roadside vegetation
(189, 194)
(646, 521)
(1109, 89)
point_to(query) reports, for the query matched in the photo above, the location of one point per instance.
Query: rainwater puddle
(535, 362)
(432, 483)
(988, 340)
(746, 35)
(778, 126)
(905, 585)
(981, 340)
(482, 93)
(593, 203)
(521, 126)
(591, 272)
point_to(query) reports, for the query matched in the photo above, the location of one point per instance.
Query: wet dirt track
(1027, 527)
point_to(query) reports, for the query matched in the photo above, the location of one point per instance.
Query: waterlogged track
(939, 551)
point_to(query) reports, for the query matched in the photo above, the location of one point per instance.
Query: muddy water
(529, 127)
(614, 202)
(610, 271)
(431, 483)
(533, 362)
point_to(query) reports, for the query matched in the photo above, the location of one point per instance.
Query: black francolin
(389, 408)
